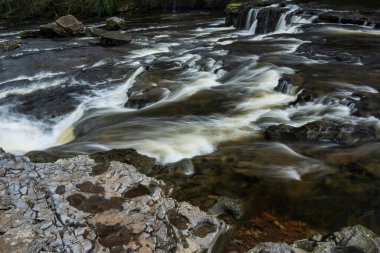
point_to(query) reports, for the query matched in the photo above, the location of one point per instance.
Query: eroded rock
(77, 205)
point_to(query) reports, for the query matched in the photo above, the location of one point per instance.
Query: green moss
(233, 7)
(10, 45)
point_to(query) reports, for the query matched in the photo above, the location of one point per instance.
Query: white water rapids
(199, 65)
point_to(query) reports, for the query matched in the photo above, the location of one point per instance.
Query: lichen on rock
(65, 207)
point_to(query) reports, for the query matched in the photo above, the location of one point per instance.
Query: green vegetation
(10, 45)
(233, 7)
(24, 9)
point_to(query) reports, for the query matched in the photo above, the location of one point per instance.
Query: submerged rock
(66, 207)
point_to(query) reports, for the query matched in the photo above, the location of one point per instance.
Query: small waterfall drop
(249, 19)
(174, 6)
(281, 24)
(252, 28)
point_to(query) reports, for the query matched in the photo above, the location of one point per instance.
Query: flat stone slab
(115, 38)
(76, 205)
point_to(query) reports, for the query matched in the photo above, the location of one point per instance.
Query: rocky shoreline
(85, 205)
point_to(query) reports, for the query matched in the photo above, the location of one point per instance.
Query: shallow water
(218, 98)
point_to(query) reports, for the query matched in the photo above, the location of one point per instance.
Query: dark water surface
(197, 95)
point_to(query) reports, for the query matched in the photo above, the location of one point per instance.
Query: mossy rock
(10, 45)
(233, 7)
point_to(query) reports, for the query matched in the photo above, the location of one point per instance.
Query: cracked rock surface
(356, 239)
(72, 206)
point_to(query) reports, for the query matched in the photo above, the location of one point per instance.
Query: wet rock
(30, 34)
(356, 239)
(149, 96)
(270, 247)
(115, 23)
(66, 207)
(351, 17)
(285, 87)
(9, 45)
(114, 38)
(321, 131)
(66, 26)
(267, 19)
(97, 32)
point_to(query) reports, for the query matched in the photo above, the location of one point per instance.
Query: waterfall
(281, 24)
(252, 28)
(174, 6)
(249, 19)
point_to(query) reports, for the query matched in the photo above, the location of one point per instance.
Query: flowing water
(218, 93)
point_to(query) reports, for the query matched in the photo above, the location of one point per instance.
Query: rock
(267, 19)
(147, 97)
(270, 247)
(53, 30)
(114, 38)
(348, 17)
(9, 45)
(285, 87)
(97, 32)
(71, 25)
(115, 23)
(30, 34)
(66, 207)
(66, 26)
(321, 131)
(356, 239)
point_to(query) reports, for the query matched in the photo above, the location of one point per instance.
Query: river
(189, 90)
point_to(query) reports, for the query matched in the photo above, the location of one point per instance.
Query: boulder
(115, 23)
(66, 26)
(53, 30)
(114, 38)
(321, 131)
(356, 239)
(71, 25)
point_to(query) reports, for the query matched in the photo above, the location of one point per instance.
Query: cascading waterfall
(281, 24)
(249, 19)
(252, 28)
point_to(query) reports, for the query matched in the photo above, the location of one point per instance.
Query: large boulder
(114, 38)
(66, 26)
(115, 23)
